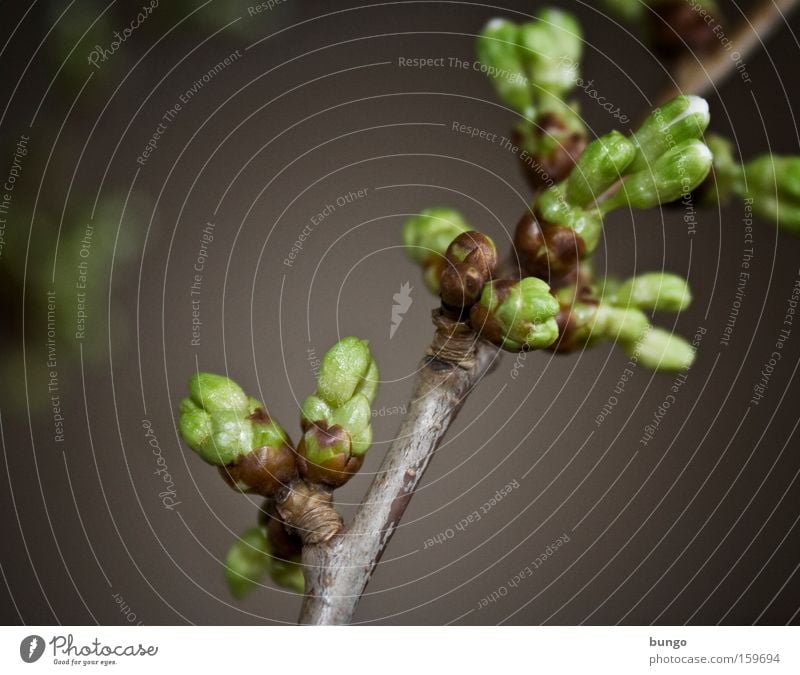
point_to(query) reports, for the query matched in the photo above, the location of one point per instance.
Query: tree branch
(337, 571)
(694, 74)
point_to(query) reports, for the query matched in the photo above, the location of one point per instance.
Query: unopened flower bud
(217, 393)
(327, 456)
(345, 371)
(471, 261)
(682, 119)
(336, 420)
(602, 164)
(654, 290)
(674, 174)
(286, 548)
(265, 470)
(551, 49)
(289, 574)
(773, 183)
(631, 11)
(583, 322)
(426, 238)
(661, 350)
(497, 48)
(548, 251)
(551, 241)
(618, 324)
(247, 562)
(726, 176)
(516, 315)
(234, 432)
(550, 146)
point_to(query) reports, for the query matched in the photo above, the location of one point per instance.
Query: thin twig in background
(699, 75)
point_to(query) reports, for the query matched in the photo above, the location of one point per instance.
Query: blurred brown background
(699, 525)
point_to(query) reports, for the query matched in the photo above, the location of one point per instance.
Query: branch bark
(337, 571)
(697, 75)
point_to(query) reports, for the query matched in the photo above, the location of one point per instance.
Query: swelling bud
(234, 432)
(674, 174)
(247, 562)
(551, 48)
(348, 368)
(773, 183)
(663, 351)
(327, 455)
(497, 48)
(516, 315)
(654, 290)
(336, 418)
(471, 260)
(682, 119)
(602, 164)
(426, 238)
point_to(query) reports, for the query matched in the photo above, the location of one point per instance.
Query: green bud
(247, 562)
(773, 174)
(343, 369)
(195, 425)
(553, 209)
(585, 323)
(327, 454)
(232, 436)
(551, 48)
(516, 315)
(617, 324)
(219, 437)
(654, 290)
(727, 175)
(600, 166)
(369, 383)
(354, 416)
(674, 174)
(663, 351)
(426, 237)
(784, 214)
(360, 441)
(289, 574)
(588, 225)
(682, 119)
(630, 11)
(320, 444)
(222, 424)
(314, 409)
(336, 421)
(497, 49)
(773, 184)
(216, 393)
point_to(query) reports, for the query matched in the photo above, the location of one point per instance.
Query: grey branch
(695, 74)
(338, 570)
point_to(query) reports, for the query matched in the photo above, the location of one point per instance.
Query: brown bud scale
(337, 470)
(543, 171)
(471, 260)
(264, 471)
(550, 252)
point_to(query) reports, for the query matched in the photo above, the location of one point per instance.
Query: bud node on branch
(308, 509)
(453, 344)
